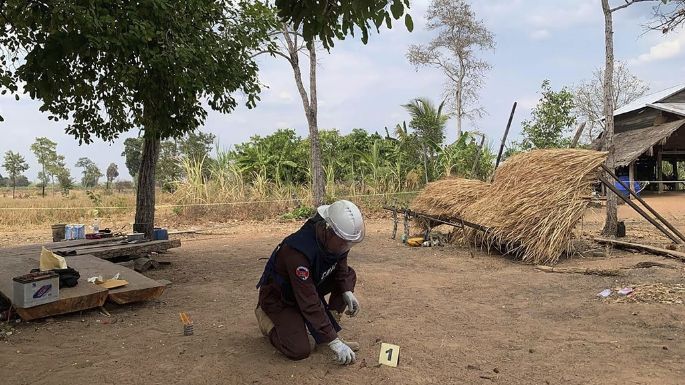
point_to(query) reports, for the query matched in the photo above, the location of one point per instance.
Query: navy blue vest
(321, 266)
(321, 263)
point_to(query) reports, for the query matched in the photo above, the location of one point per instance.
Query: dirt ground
(458, 319)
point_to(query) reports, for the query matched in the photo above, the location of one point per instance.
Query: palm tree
(428, 123)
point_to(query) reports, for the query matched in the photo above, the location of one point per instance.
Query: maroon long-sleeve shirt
(294, 267)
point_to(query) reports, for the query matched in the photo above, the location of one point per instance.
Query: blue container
(160, 234)
(69, 232)
(626, 181)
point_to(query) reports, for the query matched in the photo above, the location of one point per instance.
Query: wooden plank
(132, 249)
(638, 246)
(139, 287)
(83, 296)
(55, 246)
(103, 250)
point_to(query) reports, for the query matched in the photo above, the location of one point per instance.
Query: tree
(112, 173)
(551, 120)
(329, 20)
(14, 165)
(46, 153)
(196, 146)
(428, 121)
(153, 72)
(453, 50)
(290, 47)
(91, 172)
(611, 222)
(169, 168)
(668, 15)
(133, 152)
(66, 183)
(589, 96)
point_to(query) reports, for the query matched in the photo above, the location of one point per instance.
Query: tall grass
(76, 207)
(212, 190)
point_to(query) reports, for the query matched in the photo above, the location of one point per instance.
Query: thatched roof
(436, 198)
(530, 209)
(630, 145)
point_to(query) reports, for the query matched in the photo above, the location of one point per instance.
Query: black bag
(67, 277)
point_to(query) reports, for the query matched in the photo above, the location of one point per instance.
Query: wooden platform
(107, 248)
(85, 295)
(139, 288)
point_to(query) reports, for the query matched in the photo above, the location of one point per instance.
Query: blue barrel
(160, 234)
(626, 181)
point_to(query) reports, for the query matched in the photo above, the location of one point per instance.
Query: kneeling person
(306, 266)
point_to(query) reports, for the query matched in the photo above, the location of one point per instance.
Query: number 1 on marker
(389, 355)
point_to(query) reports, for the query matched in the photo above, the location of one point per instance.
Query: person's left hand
(352, 304)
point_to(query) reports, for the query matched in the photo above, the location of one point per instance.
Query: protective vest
(321, 264)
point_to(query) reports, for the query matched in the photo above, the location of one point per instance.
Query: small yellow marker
(187, 324)
(390, 355)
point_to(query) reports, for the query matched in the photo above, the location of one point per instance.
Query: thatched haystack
(448, 197)
(531, 208)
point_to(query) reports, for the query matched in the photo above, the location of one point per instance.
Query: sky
(364, 86)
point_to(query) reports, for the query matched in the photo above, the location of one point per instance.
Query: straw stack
(532, 206)
(448, 197)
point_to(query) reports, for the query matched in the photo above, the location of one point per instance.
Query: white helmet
(345, 219)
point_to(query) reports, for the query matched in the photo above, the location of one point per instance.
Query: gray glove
(352, 304)
(343, 354)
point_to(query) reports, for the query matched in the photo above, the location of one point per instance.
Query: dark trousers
(289, 335)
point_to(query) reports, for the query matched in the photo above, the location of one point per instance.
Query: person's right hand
(343, 354)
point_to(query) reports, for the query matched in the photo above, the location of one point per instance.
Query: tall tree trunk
(145, 193)
(14, 185)
(318, 182)
(309, 102)
(611, 222)
(459, 108)
(43, 182)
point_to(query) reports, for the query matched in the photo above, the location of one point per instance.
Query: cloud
(554, 15)
(285, 96)
(528, 102)
(539, 34)
(662, 51)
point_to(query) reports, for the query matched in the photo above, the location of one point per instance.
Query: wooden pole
(504, 138)
(452, 221)
(576, 137)
(631, 176)
(477, 159)
(639, 210)
(659, 171)
(647, 206)
(674, 166)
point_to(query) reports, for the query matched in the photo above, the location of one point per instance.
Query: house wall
(676, 141)
(635, 120)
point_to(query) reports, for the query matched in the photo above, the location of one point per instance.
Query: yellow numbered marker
(390, 355)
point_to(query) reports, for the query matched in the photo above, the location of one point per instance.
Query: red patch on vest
(302, 272)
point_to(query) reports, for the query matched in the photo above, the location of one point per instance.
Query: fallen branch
(577, 270)
(648, 264)
(638, 246)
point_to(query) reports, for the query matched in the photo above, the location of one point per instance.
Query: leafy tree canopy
(111, 65)
(551, 119)
(329, 20)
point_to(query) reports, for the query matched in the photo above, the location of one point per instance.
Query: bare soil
(458, 319)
